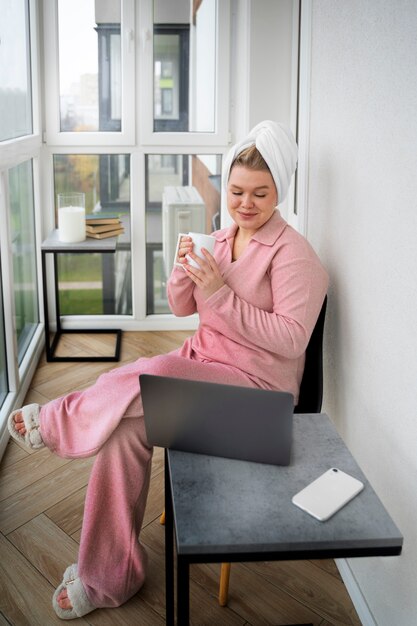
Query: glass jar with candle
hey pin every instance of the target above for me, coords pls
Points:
(71, 217)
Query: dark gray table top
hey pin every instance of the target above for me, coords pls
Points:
(53, 244)
(223, 505)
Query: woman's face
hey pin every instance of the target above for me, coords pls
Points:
(251, 197)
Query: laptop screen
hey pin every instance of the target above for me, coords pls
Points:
(220, 420)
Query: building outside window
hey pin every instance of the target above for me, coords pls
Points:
(171, 77)
(90, 65)
(184, 58)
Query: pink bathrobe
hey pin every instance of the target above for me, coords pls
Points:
(252, 332)
(261, 320)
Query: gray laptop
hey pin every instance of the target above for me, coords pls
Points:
(219, 420)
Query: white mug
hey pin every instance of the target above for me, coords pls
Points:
(200, 240)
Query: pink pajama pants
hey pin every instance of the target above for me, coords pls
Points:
(107, 420)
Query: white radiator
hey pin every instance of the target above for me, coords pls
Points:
(183, 211)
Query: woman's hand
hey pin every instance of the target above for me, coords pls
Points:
(207, 277)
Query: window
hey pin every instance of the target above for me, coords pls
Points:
(171, 77)
(184, 65)
(185, 53)
(15, 70)
(22, 221)
(182, 195)
(20, 146)
(89, 72)
(96, 284)
(158, 66)
(89, 65)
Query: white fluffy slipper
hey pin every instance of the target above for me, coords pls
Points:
(32, 437)
(81, 605)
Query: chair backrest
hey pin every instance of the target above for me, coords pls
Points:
(311, 388)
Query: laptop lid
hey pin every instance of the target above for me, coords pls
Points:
(220, 420)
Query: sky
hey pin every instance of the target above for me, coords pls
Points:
(78, 41)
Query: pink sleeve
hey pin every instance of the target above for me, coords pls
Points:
(180, 289)
(298, 288)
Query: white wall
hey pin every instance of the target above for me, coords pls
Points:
(261, 70)
(362, 208)
(270, 61)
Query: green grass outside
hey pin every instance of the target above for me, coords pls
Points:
(79, 267)
(81, 302)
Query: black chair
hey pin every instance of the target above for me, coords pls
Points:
(309, 401)
(311, 388)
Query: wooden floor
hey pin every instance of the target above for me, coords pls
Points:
(41, 509)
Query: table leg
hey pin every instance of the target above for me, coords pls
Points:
(49, 345)
(57, 307)
(183, 591)
(169, 549)
(45, 303)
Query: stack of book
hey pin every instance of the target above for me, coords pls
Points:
(103, 226)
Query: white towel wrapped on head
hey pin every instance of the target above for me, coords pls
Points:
(277, 145)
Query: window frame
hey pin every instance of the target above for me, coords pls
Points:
(147, 141)
(188, 139)
(14, 152)
(18, 370)
(54, 135)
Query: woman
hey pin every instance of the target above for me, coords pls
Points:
(258, 298)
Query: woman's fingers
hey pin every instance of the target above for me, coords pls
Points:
(185, 247)
(207, 276)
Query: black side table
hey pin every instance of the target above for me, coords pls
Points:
(53, 246)
(224, 510)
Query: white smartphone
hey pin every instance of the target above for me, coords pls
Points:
(327, 494)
